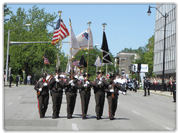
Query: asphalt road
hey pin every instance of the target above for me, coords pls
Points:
(134, 113)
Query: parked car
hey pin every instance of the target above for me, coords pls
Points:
(130, 86)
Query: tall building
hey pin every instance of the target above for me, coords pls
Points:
(170, 41)
(123, 60)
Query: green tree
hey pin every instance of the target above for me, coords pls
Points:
(37, 31)
(149, 56)
(6, 10)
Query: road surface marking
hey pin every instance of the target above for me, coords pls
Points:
(168, 128)
(74, 127)
(10, 103)
(136, 112)
(19, 97)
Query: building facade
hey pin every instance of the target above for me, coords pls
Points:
(123, 60)
(170, 41)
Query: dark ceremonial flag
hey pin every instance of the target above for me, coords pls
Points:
(82, 62)
(106, 58)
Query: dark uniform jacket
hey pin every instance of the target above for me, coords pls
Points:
(111, 85)
(81, 87)
(57, 86)
(100, 87)
(70, 88)
(146, 83)
(45, 89)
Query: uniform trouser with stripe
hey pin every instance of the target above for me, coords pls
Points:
(112, 104)
(71, 100)
(57, 100)
(85, 97)
(99, 98)
(43, 101)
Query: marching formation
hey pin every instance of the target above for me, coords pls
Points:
(59, 83)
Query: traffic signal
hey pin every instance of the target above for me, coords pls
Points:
(139, 67)
(9, 58)
(129, 67)
(134, 67)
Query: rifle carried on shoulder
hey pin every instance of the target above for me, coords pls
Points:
(39, 92)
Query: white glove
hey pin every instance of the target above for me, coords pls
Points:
(56, 77)
(85, 85)
(99, 83)
(87, 82)
(57, 80)
(40, 89)
(111, 90)
(45, 84)
(72, 84)
(71, 81)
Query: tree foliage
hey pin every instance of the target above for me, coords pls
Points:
(145, 55)
(31, 53)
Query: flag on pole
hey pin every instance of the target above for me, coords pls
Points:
(46, 61)
(73, 43)
(83, 38)
(98, 62)
(60, 32)
(106, 58)
(82, 62)
(58, 61)
(75, 62)
(68, 67)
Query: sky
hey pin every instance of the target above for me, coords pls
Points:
(128, 25)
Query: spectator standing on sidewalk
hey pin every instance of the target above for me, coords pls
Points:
(174, 90)
(17, 80)
(28, 79)
(155, 84)
(10, 80)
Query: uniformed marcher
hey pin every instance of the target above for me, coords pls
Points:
(145, 86)
(56, 86)
(112, 96)
(42, 95)
(148, 86)
(99, 90)
(135, 85)
(174, 90)
(84, 87)
(71, 93)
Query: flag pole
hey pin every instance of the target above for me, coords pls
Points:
(44, 57)
(59, 41)
(89, 23)
(70, 52)
(104, 24)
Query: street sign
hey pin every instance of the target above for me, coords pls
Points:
(144, 68)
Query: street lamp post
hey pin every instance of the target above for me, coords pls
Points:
(165, 17)
(7, 56)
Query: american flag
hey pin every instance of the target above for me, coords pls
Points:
(60, 32)
(46, 61)
(75, 63)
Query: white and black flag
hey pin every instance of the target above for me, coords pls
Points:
(106, 58)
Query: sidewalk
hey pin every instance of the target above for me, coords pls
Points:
(161, 93)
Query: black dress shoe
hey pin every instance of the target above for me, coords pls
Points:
(98, 118)
(69, 117)
(111, 118)
(84, 117)
(54, 117)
